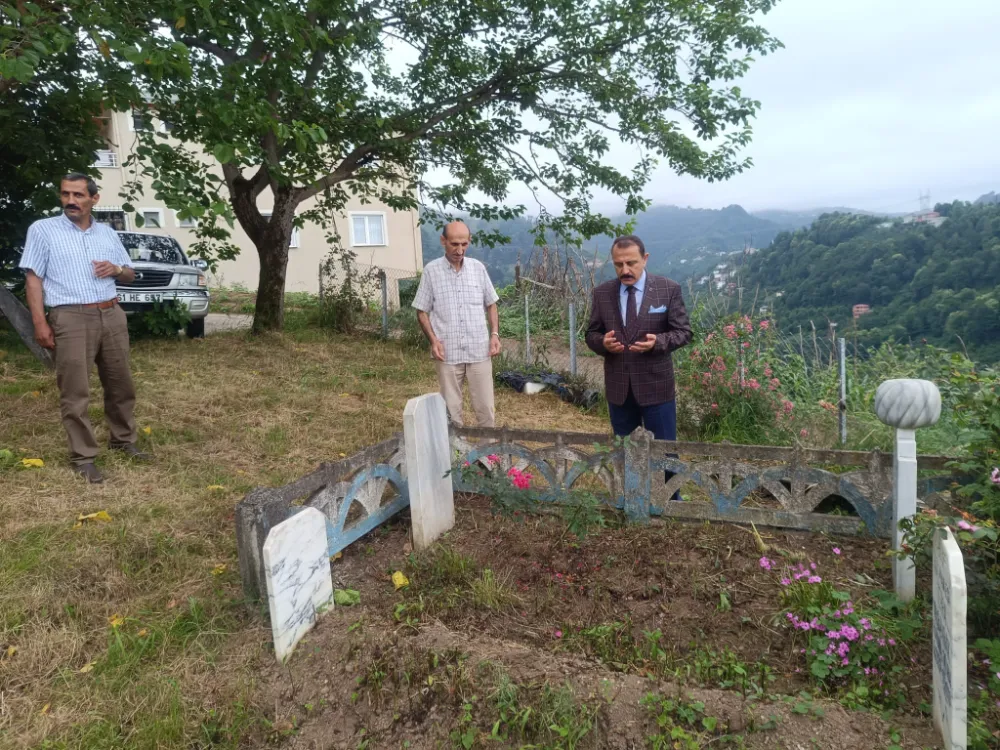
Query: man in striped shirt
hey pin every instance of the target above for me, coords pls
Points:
(453, 295)
(72, 265)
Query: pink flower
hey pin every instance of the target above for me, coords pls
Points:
(558, 634)
(803, 433)
(765, 563)
(764, 324)
(815, 579)
(836, 550)
(493, 458)
(746, 344)
(730, 331)
(995, 476)
(709, 337)
(774, 384)
(768, 372)
(715, 407)
(966, 526)
(752, 383)
(466, 463)
(785, 582)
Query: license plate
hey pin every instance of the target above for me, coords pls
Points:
(139, 297)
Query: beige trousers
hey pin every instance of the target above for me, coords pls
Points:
(84, 337)
(480, 377)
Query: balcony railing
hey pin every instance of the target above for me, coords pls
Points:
(105, 158)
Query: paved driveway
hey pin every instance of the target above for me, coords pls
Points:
(222, 322)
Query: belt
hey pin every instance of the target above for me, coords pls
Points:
(98, 305)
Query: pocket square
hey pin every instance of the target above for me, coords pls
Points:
(655, 310)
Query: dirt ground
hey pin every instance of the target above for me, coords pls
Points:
(516, 634)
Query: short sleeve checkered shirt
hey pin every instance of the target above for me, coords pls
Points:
(457, 302)
(61, 255)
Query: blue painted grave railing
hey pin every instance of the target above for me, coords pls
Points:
(356, 495)
(765, 485)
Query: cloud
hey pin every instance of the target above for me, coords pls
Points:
(869, 103)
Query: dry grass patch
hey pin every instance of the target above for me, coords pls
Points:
(133, 632)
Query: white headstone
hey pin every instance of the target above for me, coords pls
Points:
(949, 642)
(905, 404)
(297, 572)
(432, 502)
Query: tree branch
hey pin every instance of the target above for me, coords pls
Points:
(227, 56)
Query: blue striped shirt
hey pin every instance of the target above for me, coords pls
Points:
(61, 255)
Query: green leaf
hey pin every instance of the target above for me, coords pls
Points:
(224, 153)
(819, 669)
(346, 597)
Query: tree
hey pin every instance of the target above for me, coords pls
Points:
(53, 86)
(316, 100)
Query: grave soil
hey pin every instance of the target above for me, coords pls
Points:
(513, 628)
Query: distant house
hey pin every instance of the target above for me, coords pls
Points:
(378, 235)
(859, 310)
(925, 217)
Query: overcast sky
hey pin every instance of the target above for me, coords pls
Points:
(869, 103)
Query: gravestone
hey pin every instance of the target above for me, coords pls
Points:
(297, 572)
(949, 642)
(20, 317)
(428, 452)
(906, 405)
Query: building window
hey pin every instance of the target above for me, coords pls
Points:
(112, 216)
(137, 121)
(367, 229)
(293, 241)
(152, 218)
(188, 223)
(105, 158)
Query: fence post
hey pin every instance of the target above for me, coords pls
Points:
(638, 476)
(572, 338)
(385, 303)
(842, 355)
(527, 330)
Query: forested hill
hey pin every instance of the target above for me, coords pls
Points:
(921, 281)
(682, 242)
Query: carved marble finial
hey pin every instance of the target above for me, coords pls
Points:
(908, 404)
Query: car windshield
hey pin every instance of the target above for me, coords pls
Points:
(153, 248)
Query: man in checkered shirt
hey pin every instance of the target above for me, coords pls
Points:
(453, 295)
(72, 265)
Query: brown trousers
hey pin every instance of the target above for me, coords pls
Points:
(480, 377)
(85, 336)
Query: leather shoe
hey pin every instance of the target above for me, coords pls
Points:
(132, 451)
(89, 472)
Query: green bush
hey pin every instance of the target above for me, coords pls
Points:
(162, 322)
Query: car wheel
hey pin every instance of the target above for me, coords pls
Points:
(196, 329)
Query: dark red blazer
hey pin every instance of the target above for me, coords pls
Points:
(650, 374)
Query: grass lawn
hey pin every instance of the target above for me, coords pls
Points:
(132, 632)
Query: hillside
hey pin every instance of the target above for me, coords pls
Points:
(791, 220)
(922, 282)
(683, 242)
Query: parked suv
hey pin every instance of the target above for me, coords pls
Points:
(163, 273)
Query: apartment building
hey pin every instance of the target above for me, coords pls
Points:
(378, 235)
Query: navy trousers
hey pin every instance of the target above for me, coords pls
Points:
(660, 419)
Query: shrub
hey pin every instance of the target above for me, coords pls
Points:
(162, 322)
(730, 390)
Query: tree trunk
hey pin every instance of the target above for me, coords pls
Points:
(271, 238)
(269, 313)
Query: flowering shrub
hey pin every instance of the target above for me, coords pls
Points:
(979, 540)
(845, 645)
(730, 390)
(511, 496)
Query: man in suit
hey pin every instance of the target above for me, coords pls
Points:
(636, 321)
